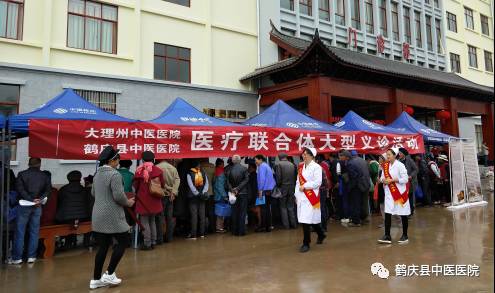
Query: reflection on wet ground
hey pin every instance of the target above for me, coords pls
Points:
(271, 262)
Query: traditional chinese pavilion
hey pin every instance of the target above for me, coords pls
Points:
(329, 81)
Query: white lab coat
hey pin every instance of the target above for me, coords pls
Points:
(306, 213)
(397, 171)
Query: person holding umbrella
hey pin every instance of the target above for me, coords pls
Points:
(108, 220)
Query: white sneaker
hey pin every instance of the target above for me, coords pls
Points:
(15, 262)
(31, 259)
(344, 221)
(95, 284)
(110, 279)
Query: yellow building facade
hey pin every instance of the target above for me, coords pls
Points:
(469, 39)
(221, 35)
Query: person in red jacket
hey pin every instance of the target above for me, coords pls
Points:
(325, 187)
(148, 206)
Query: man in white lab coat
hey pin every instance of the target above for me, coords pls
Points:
(309, 177)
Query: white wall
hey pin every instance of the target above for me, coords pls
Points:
(467, 127)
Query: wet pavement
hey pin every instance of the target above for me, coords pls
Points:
(270, 262)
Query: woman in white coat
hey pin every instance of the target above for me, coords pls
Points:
(309, 177)
(395, 184)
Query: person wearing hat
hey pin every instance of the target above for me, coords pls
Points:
(108, 219)
(444, 183)
(285, 174)
(412, 172)
(394, 178)
(307, 192)
(148, 205)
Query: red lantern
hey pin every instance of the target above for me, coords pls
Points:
(443, 115)
(409, 110)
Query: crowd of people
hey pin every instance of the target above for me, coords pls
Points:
(168, 198)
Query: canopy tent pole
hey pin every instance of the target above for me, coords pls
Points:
(2, 192)
(7, 233)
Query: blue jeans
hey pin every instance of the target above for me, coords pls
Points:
(27, 218)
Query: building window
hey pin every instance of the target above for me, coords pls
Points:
(452, 22)
(429, 37)
(488, 61)
(468, 14)
(383, 17)
(368, 10)
(473, 56)
(438, 30)
(11, 18)
(324, 9)
(355, 14)
(287, 4)
(455, 63)
(417, 21)
(103, 100)
(407, 24)
(92, 26)
(172, 63)
(485, 28)
(340, 12)
(427, 2)
(305, 7)
(180, 2)
(395, 21)
(9, 105)
(437, 3)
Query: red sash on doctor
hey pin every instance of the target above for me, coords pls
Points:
(310, 194)
(400, 198)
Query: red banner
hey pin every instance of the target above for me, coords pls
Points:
(83, 140)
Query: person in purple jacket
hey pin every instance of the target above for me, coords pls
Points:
(266, 183)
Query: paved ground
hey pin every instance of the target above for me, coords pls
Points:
(271, 263)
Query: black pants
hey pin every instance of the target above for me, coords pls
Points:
(104, 241)
(266, 212)
(197, 208)
(307, 232)
(388, 223)
(425, 187)
(323, 208)
(239, 211)
(167, 217)
(355, 200)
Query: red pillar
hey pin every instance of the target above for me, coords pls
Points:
(487, 126)
(319, 102)
(394, 109)
(451, 126)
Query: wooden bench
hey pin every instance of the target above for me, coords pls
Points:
(48, 234)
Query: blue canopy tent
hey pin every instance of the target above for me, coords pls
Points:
(2, 121)
(281, 115)
(407, 123)
(181, 112)
(353, 122)
(66, 106)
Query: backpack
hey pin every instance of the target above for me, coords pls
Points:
(155, 186)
